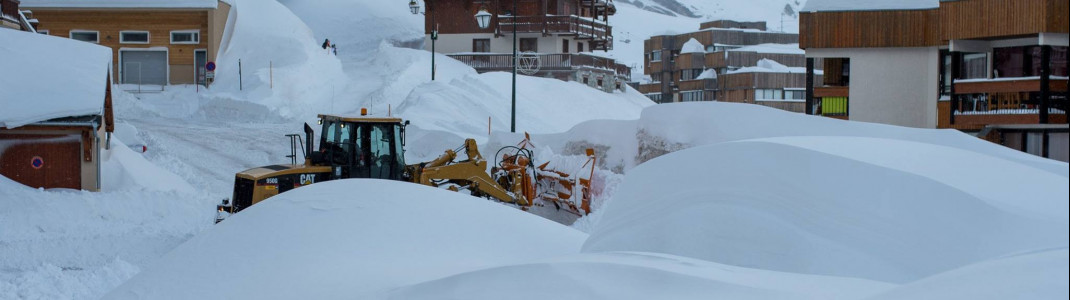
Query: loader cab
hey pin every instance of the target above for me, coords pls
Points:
(361, 147)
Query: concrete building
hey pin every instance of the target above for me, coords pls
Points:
(726, 61)
(556, 38)
(964, 64)
(154, 42)
(52, 137)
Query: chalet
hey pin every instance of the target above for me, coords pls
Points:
(973, 65)
(556, 38)
(52, 137)
(154, 42)
(727, 61)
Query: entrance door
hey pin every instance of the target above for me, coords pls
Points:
(144, 67)
(200, 58)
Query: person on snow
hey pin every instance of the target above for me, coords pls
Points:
(326, 43)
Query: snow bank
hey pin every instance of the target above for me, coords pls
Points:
(1038, 275)
(28, 57)
(296, 78)
(772, 48)
(634, 275)
(666, 128)
(693, 46)
(543, 105)
(122, 168)
(341, 239)
(852, 5)
(873, 208)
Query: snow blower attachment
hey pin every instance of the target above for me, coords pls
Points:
(368, 147)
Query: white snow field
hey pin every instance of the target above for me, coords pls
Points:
(347, 238)
(720, 200)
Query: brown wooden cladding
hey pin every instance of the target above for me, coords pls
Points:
(1008, 86)
(972, 19)
(689, 61)
(650, 88)
(691, 85)
(865, 29)
(833, 69)
(159, 24)
(832, 91)
(59, 153)
(764, 80)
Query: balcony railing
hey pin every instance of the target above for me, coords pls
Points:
(582, 27)
(1008, 96)
(491, 62)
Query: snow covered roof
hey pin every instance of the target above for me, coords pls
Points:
(771, 66)
(693, 46)
(854, 5)
(47, 77)
(120, 3)
(772, 48)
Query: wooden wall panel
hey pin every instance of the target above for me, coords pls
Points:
(865, 29)
(61, 155)
(970, 19)
(109, 23)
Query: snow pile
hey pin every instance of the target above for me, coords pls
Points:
(772, 48)
(835, 206)
(543, 105)
(81, 67)
(707, 74)
(1038, 275)
(766, 65)
(346, 238)
(296, 77)
(693, 46)
(634, 275)
(853, 5)
(121, 3)
(667, 128)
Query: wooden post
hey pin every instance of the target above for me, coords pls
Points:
(488, 127)
(271, 74)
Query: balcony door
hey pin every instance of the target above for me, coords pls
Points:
(529, 44)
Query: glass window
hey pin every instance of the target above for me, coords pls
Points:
(481, 45)
(185, 37)
(134, 37)
(529, 44)
(86, 36)
(655, 56)
(975, 65)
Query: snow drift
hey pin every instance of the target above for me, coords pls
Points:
(873, 208)
(635, 275)
(344, 238)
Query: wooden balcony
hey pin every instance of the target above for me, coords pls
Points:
(832, 91)
(582, 28)
(549, 62)
(977, 103)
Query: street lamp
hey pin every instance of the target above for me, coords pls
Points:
(483, 18)
(415, 8)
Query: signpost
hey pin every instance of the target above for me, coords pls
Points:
(210, 74)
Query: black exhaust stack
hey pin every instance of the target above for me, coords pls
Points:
(308, 141)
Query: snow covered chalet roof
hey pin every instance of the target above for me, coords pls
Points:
(47, 77)
(120, 3)
(693, 46)
(853, 5)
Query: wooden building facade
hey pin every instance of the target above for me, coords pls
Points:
(153, 43)
(555, 37)
(713, 74)
(963, 64)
